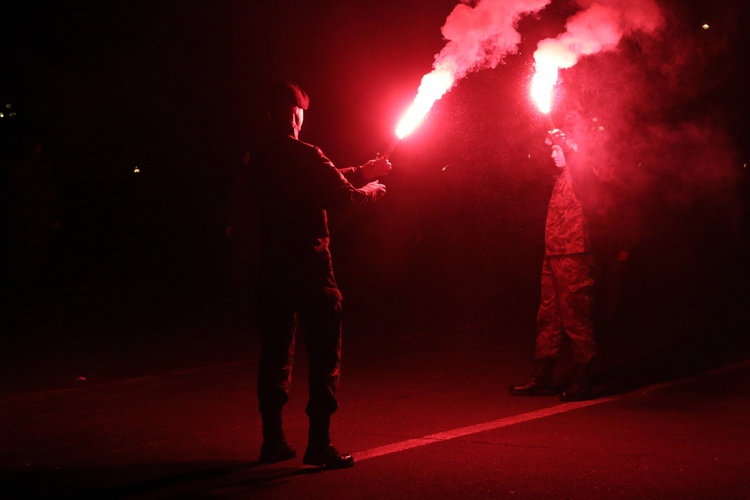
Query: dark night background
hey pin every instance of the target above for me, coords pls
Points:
(173, 88)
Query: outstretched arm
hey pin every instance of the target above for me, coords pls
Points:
(373, 169)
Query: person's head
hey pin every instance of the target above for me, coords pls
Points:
(558, 156)
(286, 103)
(561, 145)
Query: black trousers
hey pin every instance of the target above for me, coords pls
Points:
(319, 317)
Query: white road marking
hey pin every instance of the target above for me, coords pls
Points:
(474, 429)
(526, 417)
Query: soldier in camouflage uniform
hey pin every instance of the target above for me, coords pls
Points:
(566, 287)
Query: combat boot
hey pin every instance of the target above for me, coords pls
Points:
(327, 456)
(540, 381)
(579, 388)
(274, 448)
(320, 452)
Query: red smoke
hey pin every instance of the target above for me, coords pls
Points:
(480, 34)
(598, 27)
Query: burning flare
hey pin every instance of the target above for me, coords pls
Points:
(549, 58)
(480, 34)
(542, 86)
(434, 85)
(599, 27)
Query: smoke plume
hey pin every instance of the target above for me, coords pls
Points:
(652, 118)
(480, 34)
(598, 27)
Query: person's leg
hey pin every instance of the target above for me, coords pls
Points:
(549, 324)
(321, 324)
(548, 339)
(277, 322)
(576, 305)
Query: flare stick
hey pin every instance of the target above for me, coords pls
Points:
(549, 121)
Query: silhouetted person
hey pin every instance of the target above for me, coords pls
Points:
(295, 184)
(566, 287)
(33, 215)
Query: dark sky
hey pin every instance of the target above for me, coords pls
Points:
(129, 74)
(142, 74)
(174, 87)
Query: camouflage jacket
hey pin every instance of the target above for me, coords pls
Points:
(567, 230)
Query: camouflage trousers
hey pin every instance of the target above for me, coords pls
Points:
(565, 308)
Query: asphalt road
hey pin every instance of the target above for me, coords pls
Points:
(147, 393)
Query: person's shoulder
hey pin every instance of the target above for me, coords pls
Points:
(313, 154)
(311, 148)
(284, 142)
(292, 149)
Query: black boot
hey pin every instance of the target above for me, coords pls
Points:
(320, 452)
(540, 381)
(274, 448)
(579, 388)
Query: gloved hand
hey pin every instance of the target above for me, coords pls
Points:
(376, 168)
(374, 189)
(558, 138)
